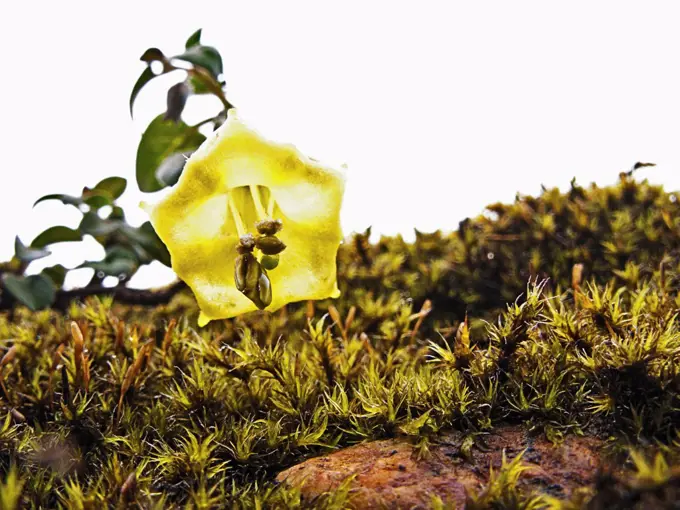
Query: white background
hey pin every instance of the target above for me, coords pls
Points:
(437, 108)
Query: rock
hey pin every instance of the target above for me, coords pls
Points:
(388, 473)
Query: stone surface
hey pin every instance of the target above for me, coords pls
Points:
(388, 473)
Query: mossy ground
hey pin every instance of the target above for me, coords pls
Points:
(149, 411)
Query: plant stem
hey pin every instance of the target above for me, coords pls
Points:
(202, 123)
(212, 85)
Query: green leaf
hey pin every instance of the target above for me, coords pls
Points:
(117, 267)
(144, 78)
(120, 252)
(171, 168)
(162, 139)
(117, 213)
(114, 186)
(149, 56)
(65, 199)
(194, 39)
(97, 201)
(104, 193)
(55, 273)
(146, 243)
(118, 262)
(35, 291)
(95, 226)
(152, 55)
(153, 243)
(26, 254)
(206, 57)
(58, 234)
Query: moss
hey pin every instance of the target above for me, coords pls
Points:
(152, 412)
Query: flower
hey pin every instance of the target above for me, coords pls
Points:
(234, 180)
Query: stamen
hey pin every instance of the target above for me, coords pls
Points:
(270, 205)
(255, 192)
(240, 227)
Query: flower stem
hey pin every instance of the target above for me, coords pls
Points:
(240, 227)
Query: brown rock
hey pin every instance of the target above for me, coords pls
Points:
(388, 474)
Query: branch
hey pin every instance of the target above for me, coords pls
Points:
(123, 295)
(120, 294)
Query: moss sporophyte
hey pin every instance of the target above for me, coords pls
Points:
(252, 224)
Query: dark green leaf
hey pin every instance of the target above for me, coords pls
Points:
(95, 226)
(194, 39)
(146, 243)
(171, 168)
(118, 262)
(154, 245)
(65, 199)
(162, 139)
(120, 252)
(117, 267)
(144, 78)
(206, 57)
(177, 98)
(55, 273)
(36, 291)
(96, 201)
(114, 186)
(26, 254)
(152, 55)
(117, 213)
(57, 234)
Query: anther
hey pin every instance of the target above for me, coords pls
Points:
(269, 227)
(264, 290)
(245, 264)
(252, 280)
(246, 244)
(270, 245)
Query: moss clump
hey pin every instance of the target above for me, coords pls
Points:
(620, 232)
(151, 412)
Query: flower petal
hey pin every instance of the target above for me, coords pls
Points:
(201, 235)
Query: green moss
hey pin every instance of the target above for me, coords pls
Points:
(156, 413)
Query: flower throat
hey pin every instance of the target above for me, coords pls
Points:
(256, 253)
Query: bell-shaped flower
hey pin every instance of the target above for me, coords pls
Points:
(239, 183)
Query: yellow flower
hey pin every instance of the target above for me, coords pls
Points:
(235, 179)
